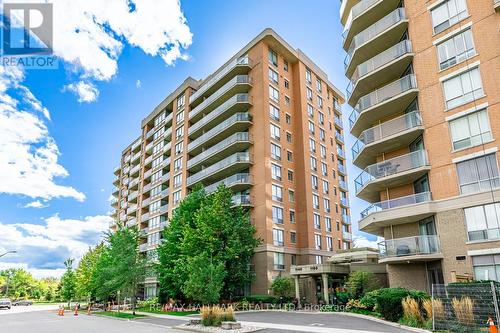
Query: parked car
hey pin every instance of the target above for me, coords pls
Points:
(22, 302)
(5, 303)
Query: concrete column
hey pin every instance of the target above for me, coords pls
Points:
(324, 277)
(297, 292)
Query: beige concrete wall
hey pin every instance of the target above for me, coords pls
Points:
(411, 276)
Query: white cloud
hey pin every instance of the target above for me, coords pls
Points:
(86, 91)
(35, 204)
(42, 248)
(138, 84)
(362, 241)
(28, 154)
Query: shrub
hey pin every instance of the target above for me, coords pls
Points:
(411, 311)
(215, 315)
(360, 282)
(283, 287)
(464, 310)
(389, 303)
(370, 300)
(342, 298)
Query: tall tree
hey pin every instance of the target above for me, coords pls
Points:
(68, 282)
(85, 271)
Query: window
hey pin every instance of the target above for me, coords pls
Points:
(324, 169)
(319, 259)
(277, 215)
(275, 152)
(308, 75)
(309, 94)
(158, 133)
(154, 238)
(471, 130)
(275, 171)
(178, 180)
(478, 174)
(314, 164)
(155, 191)
(289, 156)
(277, 193)
(288, 118)
(178, 164)
(463, 88)
(273, 57)
(287, 84)
(158, 147)
(155, 206)
(278, 237)
(273, 76)
(291, 196)
(179, 117)
(156, 176)
(279, 261)
(486, 267)
(293, 237)
(326, 204)
(178, 148)
(315, 201)
(285, 65)
(287, 101)
(456, 49)
(275, 132)
(317, 242)
(292, 216)
(312, 145)
(483, 222)
(317, 221)
(288, 137)
(181, 100)
(274, 94)
(329, 243)
(326, 188)
(322, 151)
(318, 84)
(447, 14)
(179, 132)
(311, 127)
(320, 101)
(310, 110)
(274, 112)
(160, 118)
(156, 162)
(328, 224)
(321, 118)
(314, 182)
(177, 197)
(154, 222)
(290, 175)
(322, 134)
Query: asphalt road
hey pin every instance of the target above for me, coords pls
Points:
(31, 308)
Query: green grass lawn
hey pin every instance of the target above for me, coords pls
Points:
(115, 314)
(173, 313)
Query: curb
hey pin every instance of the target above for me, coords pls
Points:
(381, 321)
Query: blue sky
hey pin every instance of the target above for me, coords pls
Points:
(91, 134)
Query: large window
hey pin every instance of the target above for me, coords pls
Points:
(317, 221)
(277, 193)
(275, 152)
(447, 14)
(456, 49)
(278, 235)
(317, 242)
(463, 88)
(275, 171)
(486, 267)
(471, 130)
(273, 57)
(478, 174)
(279, 261)
(273, 76)
(483, 222)
(274, 94)
(277, 215)
(274, 112)
(275, 132)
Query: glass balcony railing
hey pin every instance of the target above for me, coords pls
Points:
(373, 31)
(233, 159)
(238, 79)
(236, 137)
(398, 202)
(339, 137)
(238, 98)
(136, 143)
(356, 11)
(385, 130)
(341, 168)
(239, 178)
(241, 199)
(347, 236)
(341, 153)
(237, 117)
(410, 246)
(241, 61)
(391, 167)
(338, 121)
(343, 185)
(344, 202)
(346, 219)
(371, 65)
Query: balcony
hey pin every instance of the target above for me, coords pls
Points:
(388, 136)
(341, 168)
(238, 122)
(238, 66)
(133, 196)
(237, 103)
(410, 249)
(345, 9)
(346, 219)
(338, 122)
(393, 172)
(116, 171)
(238, 84)
(384, 102)
(135, 157)
(364, 14)
(242, 200)
(375, 39)
(347, 236)
(131, 209)
(237, 182)
(340, 153)
(232, 164)
(135, 170)
(379, 70)
(496, 5)
(132, 222)
(407, 209)
(339, 137)
(237, 142)
(144, 217)
(143, 247)
(136, 144)
(134, 183)
(343, 185)
(344, 202)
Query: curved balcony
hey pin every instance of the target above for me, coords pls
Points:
(406, 209)
(238, 84)
(410, 249)
(345, 9)
(238, 122)
(237, 182)
(393, 172)
(379, 70)
(242, 200)
(238, 66)
(374, 39)
(237, 142)
(237, 103)
(388, 136)
(364, 14)
(232, 164)
(384, 102)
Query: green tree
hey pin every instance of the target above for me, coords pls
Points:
(18, 283)
(68, 282)
(206, 226)
(86, 270)
(283, 287)
(360, 282)
(205, 281)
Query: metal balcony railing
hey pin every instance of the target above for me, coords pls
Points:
(244, 60)
(355, 12)
(373, 31)
(410, 246)
(391, 167)
(241, 199)
(239, 178)
(385, 130)
(228, 161)
(398, 202)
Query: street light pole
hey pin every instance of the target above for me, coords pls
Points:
(9, 274)
(1, 255)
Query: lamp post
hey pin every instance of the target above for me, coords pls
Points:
(9, 274)
(1, 255)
